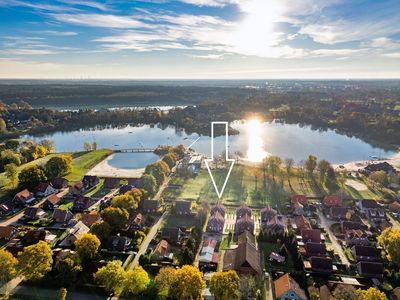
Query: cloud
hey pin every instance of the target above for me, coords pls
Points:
(336, 52)
(58, 33)
(392, 55)
(213, 3)
(26, 52)
(92, 4)
(208, 56)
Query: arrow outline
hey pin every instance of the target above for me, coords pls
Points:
(219, 194)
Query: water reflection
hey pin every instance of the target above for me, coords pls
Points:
(255, 145)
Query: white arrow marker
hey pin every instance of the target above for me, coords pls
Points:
(207, 161)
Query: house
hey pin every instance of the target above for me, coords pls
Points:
(182, 207)
(245, 223)
(90, 181)
(119, 243)
(243, 210)
(171, 234)
(332, 200)
(52, 202)
(246, 258)
(34, 236)
(125, 188)
(315, 249)
(149, 206)
(339, 213)
(350, 225)
(82, 203)
(365, 253)
(382, 166)
(216, 223)
(24, 197)
(376, 215)
(298, 209)
(218, 208)
(286, 288)
(356, 237)
(77, 189)
(277, 224)
(367, 204)
(267, 213)
(300, 223)
(136, 182)
(394, 207)
(34, 213)
(208, 257)
(59, 183)
(161, 252)
(90, 218)
(137, 222)
(111, 183)
(321, 265)
(302, 199)
(44, 190)
(74, 233)
(311, 235)
(370, 269)
(7, 207)
(62, 215)
(372, 210)
(8, 232)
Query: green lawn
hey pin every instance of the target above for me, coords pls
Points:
(267, 248)
(180, 221)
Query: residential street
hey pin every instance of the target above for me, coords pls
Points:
(325, 223)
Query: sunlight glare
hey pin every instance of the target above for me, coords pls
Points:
(255, 151)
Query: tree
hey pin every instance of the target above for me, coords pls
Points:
(136, 280)
(149, 184)
(390, 241)
(40, 151)
(164, 280)
(289, 163)
(35, 261)
(62, 294)
(310, 163)
(274, 163)
(48, 144)
(345, 292)
(126, 202)
(159, 170)
(94, 145)
(379, 177)
(371, 294)
(87, 246)
(12, 144)
(111, 276)
(31, 176)
(3, 126)
(10, 157)
(101, 229)
(225, 285)
(323, 167)
(11, 173)
(8, 265)
(136, 194)
(188, 283)
(116, 217)
(247, 287)
(58, 166)
(87, 146)
(68, 269)
(170, 159)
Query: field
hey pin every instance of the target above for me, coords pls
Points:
(82, 163)
(267, 248)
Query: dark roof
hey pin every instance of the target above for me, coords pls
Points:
(370, 268)
(244, 223)
(382, 166)
(311, 235)
(62, 215)
(218, 208)
(366, 251)
(368, 203)
(125, 188)
(243, 210)
(7, 206)
(267, 213)
(110, 182)
(59, 182)
(338, 211)
(35, 236)
(315, 249)
(90, 180)
(321, 263)
(183, 206)
(171, 233)
(42, 187)
(150, 204)
(351, 225)
(216, 220)
(31, 212)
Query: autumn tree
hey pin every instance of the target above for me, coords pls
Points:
(87, 246)
(323, 167)
(35, 261)
(170, 159)
(390, 241)
(188, 283)
(345, 292)
(164, 280)
(116, 217)
(8, 265)
(48, 144)
(274, 164)
(289, 163)
(136, 280)
(136, 194)
(101, 229)
(247, 287)
(149, 184)
(379, 177)
(12, 144)
(371, 294)
(111, 277)
(58, 166)
(62, 294)
(126, 202)
(3, 126)
(11, 173)
(31, 176)
(225, 285)
(68, 269)
(310, 163)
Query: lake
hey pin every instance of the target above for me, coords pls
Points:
(256, 139)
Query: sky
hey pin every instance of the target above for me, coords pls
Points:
(200, 39)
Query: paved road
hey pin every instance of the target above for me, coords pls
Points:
(336, 247)
(110, 194)
(15, 218)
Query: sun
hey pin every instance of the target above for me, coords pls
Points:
(255, 150)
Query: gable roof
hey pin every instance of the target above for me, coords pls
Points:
(62, 215)
(367, 251)
(243, 210)
(42, 187)
(150, 204)
(32, 212)
(299, 198)
(301, 222)
(183, 206)
(161, 248)
(369, 204)
(346, 225)
(54, 199)
(218, 208)
(321, 263)
(338, 211)
(6, 232)
(333, 200)
(111, 182)
(24, 195)
(371, 268)
(59, 182)
(90, 218)
(267, 213)
(311, 235)
(315, 249)
(286, 283)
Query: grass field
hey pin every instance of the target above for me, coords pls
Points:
(267, 248)
(82, 163)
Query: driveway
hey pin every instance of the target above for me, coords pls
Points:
(325, 223)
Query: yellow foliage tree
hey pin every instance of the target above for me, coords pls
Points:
(111, 276)
(164, 280)
(371, 294)
(35, 261)
(136, 280)
(8, 264)
(87, 246)
(390, 241)
(188, 283)
(225, 285)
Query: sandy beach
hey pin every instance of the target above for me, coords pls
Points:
(356, 165)
(103, 169)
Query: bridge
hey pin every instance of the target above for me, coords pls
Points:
(135, 150)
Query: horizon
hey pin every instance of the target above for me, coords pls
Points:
(199, 40)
